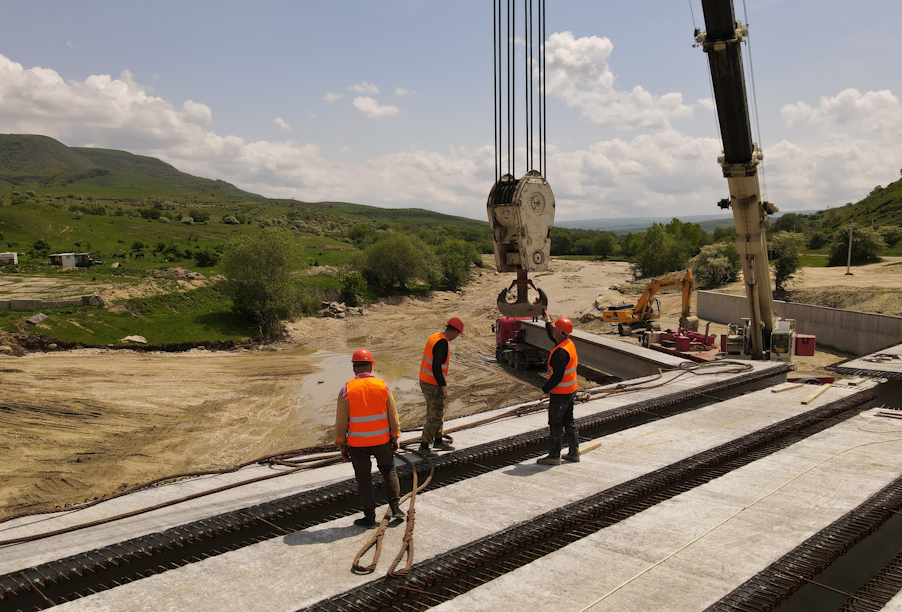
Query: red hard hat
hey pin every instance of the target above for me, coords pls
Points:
(565, 325)
(362, 355)
(456, 324)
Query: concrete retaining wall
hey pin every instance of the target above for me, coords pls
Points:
(858, 333)
(36, 305)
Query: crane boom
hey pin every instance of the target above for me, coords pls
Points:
(740, 160)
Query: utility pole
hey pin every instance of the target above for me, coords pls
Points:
(849, 260)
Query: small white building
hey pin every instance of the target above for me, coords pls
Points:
(71, 260)
(9, 258)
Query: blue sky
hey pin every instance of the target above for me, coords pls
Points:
(390, 103)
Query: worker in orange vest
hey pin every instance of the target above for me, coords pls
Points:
(366, 425)
(562, 388)
(433, 370)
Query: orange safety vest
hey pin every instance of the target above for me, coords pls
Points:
(426, 363)
(568, 382)
(368, 425)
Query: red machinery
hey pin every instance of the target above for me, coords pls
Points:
(510, 347)
(682, 343)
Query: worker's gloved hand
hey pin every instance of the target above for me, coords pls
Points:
(344, 454)
(394, 445)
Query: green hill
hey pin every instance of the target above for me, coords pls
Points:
(34, 161)
(883, 206)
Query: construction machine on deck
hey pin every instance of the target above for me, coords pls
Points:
(643, 314)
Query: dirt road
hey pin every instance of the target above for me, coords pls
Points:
(80, 424)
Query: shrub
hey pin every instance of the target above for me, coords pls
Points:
(353, 288)
(137, 245)
(716, 265)
(41, 246)
(230, 220)
(890, 234)
(817, 239)
(658, 254)
(866, 244)
(206, 257)
(604, 245)
(199, 216)
(187, 220)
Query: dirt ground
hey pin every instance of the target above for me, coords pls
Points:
(78, 424)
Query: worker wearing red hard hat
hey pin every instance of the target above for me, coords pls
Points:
(562, 388)
(433, 370)
(366, 425)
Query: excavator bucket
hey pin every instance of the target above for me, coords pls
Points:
(522, 307)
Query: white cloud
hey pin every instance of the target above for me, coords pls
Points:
(332, 97)
(368, 107)
(706, 103)
(874, 111)
(194, 112)
(69, 44)
(364, 88)
(403, 91)
(579, 74)
(664, 172)
(282, 124)
(311, 115)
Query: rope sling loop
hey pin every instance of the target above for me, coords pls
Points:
(407, 543)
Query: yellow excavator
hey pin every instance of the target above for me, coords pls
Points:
(643, 314)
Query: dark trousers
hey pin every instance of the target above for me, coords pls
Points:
(560, 414)
(363, 470)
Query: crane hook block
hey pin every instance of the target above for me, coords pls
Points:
(521, 215)
(522, 307)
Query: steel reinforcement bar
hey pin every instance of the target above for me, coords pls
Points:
(775, 586)
(77, 576)
(447, 576)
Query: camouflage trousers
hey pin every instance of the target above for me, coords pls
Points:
(435, 412)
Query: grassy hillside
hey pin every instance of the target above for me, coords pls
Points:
(34, 161)
(407, 216)
(883, 206)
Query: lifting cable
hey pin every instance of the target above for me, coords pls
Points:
(504, 68)
(324, 458)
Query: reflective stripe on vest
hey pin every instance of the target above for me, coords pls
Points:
(426, 362)
(368, 425)
(568, 382)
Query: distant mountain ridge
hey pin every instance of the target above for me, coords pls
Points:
(35, 160)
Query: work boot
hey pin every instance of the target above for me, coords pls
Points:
(573, 443)
(425, 450)
(396, 512)
(440, 444)
(367, 522)
(554, 455)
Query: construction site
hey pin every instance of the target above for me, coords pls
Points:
(734, 452)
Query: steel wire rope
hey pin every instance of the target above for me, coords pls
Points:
(495, 83)
(748, 44)
(544, 86)
(407, 543)
(732, 516)
(333, 458)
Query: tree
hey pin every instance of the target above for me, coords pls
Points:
(716, 265)
(786, 264)
(395, 258)
(137, 245)
(604, 245)
(259, 278)
(658, 254)
(353, 288)
(560, 241)
(41, 246)
(456, 257)
(866, 244)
